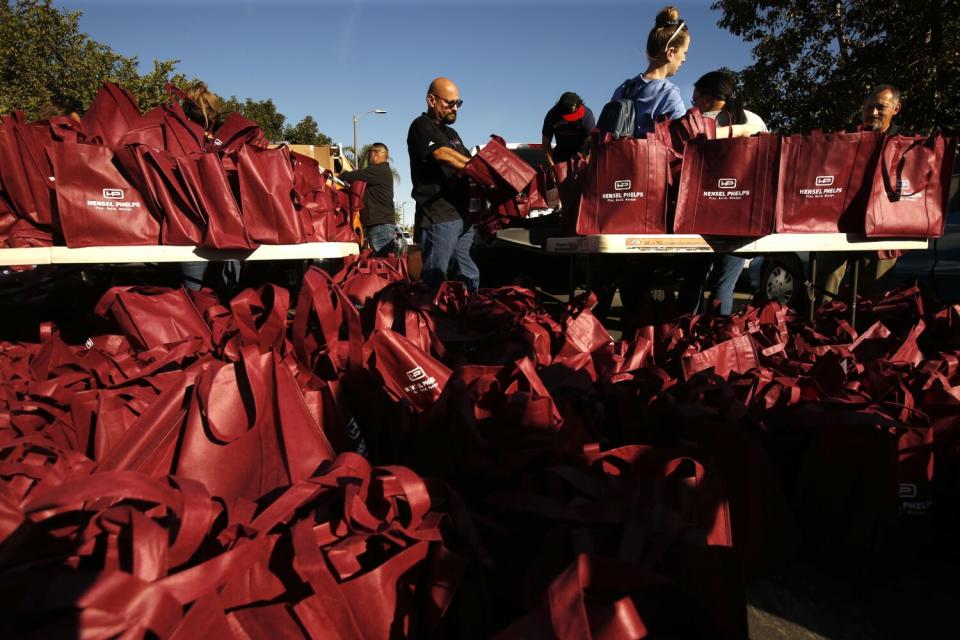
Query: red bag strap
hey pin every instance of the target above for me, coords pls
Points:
(566, 598)
(892, 161)
(250, 378)
(261, 316)
(100, 486)
(326, 301)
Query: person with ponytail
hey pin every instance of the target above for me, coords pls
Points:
(203, 107)
(652, 94)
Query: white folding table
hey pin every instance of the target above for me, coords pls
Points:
(625, 244)
(164, 253)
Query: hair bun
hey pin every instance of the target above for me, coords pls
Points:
(668, 17)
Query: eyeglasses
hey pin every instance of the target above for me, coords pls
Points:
(669, 40)
(450, 103)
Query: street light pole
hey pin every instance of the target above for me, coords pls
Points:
(403, 212)
(356, 149)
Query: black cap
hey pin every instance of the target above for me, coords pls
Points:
(569, 101)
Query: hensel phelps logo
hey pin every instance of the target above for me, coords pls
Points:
(421, 381)
(113, 200)
(728, 190)
(622, 192)
(904, 191)
(823, 188)
(415, 374)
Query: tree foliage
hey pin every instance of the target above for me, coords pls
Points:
(44, 57)
(306, 132)
(274, 123)
(815, 60)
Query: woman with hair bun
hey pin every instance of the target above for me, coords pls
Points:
(652, 94)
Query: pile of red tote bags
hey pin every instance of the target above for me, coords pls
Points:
(119, 177)
(368, 458)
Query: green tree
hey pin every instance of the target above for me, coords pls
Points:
(815, 60)
(306, 132)
(44, 57)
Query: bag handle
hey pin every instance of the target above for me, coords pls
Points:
(893, 160)
(566, 598)
(317, 296)
(249, 378)
(261, 316)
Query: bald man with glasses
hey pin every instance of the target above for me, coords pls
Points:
(437, 154)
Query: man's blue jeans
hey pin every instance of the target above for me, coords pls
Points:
(726, 271)
(720, 271)
(443, 244)
(382, 238)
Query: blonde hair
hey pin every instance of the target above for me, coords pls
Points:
(206, 101)
(669, 30)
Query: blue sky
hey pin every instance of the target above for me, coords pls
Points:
(511, 60)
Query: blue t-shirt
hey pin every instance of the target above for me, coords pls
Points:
(651, 99)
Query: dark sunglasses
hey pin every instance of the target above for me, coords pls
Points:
(450, 103)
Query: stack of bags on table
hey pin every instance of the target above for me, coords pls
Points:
(504, 189)
(398, 462)
(681, 179)
(119, 177)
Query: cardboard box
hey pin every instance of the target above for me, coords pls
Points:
(318, 153)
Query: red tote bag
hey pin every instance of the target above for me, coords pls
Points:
(152, 317)
(411, 376)
(168, 128)
(626, 188)
(825, 181)
(235, 132)
(311, 196)
(155, 175)
(497, 166)
(728, 187)
(910, 187)
(111, 115)
(210, 188)
(569, 177)
(248, 429)
(32, 142)
(96, 203)
(266, 195)
(16, 190)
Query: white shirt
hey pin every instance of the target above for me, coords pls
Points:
(723, 118)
